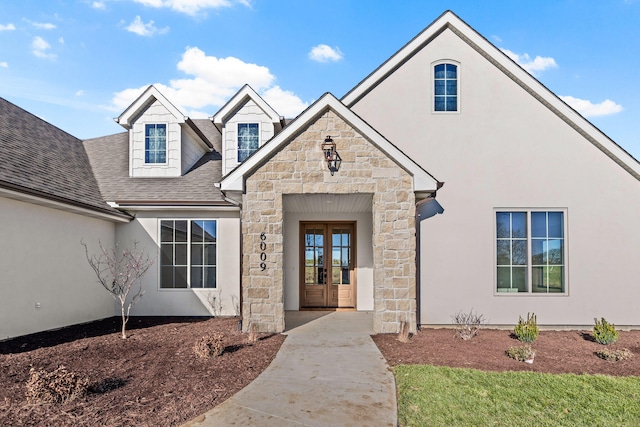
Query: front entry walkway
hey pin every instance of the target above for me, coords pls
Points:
(328, 372)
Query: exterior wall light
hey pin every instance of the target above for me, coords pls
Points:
(331, 155)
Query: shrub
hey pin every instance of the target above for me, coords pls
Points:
(521, 353)
(57, 386)
(209, 346)
(527, 331)
(614, 355)
(604, 332)
(468, 324)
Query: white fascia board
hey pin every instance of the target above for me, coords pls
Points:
(245, 93)
(422, 181)
(142, 102)
(508, 66)
(134, 207)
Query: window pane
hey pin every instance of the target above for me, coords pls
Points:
(504, 277)
(210, 254)
(503, 224)
(181, 277)
(537, 251)
(196, 277)
(209, 277)
(556, 279)
(166, 277)
(439, 87)
(452, 103)
(519, 252)
(181, 231)
(538, 279)
(181, 254)
(196, 254)
(519, 224)
(556, 224)
(439, 71)
(209, 231)
(439, 103)
(451, 71)
(166, 254)
(346, 279)
(452, 87)
(196, 231)
(504, 252)
(555, 252)
(538, 224)
(519, 275)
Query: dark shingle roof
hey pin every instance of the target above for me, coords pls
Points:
(43, 160)
(109, 158)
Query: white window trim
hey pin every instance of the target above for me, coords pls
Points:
(159, 267)
(144, 144)
(432, 85)
(529, 293)
(238, 137)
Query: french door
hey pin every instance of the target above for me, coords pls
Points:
(327, 265)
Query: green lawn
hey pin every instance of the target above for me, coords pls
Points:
(442, 396)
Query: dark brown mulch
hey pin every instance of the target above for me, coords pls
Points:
(153, 378)
(556, 351)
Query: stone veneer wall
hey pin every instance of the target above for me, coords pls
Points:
(299, 168)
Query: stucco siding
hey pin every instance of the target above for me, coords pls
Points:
(505, 149)
(46, 282)
(145, 229)
(156, 113)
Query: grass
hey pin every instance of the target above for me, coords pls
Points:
(442, 396)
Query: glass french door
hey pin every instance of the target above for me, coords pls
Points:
(328, 260)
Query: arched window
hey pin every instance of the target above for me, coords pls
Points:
(445, 87)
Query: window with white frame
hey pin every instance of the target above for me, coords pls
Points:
(248, 139)
(445, 87)
(188, 254)
(155, 143)
(530, 251)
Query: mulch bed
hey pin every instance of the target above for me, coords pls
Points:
(556, 351)
(153, 378)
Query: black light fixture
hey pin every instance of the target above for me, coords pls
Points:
(331, 155)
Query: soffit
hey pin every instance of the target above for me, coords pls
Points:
(327, 203)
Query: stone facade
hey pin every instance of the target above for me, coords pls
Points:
(299, 168)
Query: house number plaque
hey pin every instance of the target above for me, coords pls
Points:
(263, 254)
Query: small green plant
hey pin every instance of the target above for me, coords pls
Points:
(527, 331)
(614, 355)
(604, 332)
(522, 353)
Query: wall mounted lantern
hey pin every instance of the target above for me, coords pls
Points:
(331, 155)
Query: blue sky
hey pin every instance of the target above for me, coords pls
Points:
(79, 63)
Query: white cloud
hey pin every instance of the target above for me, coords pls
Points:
(533, 66)
(43, 25)
(100, 5)
(589, 109)
(7, 27)
(61, 40)
(4, 64)
(40, 47)
(324, 53)
(212, 82)
(80, 92)
(192, 7)
(147, 30)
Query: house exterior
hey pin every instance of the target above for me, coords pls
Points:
(449, 179)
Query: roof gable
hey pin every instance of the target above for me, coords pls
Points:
(240, 98)
(148, 97)
(422, 180)
(449, 20)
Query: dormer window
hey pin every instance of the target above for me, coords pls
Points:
(445, 87)
(248, 139)
(155, 143)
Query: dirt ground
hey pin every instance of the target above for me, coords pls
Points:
(153, 378)
(556, 351)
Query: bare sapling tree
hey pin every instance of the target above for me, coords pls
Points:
(118, 272)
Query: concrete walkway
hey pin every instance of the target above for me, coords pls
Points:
(328, 372)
